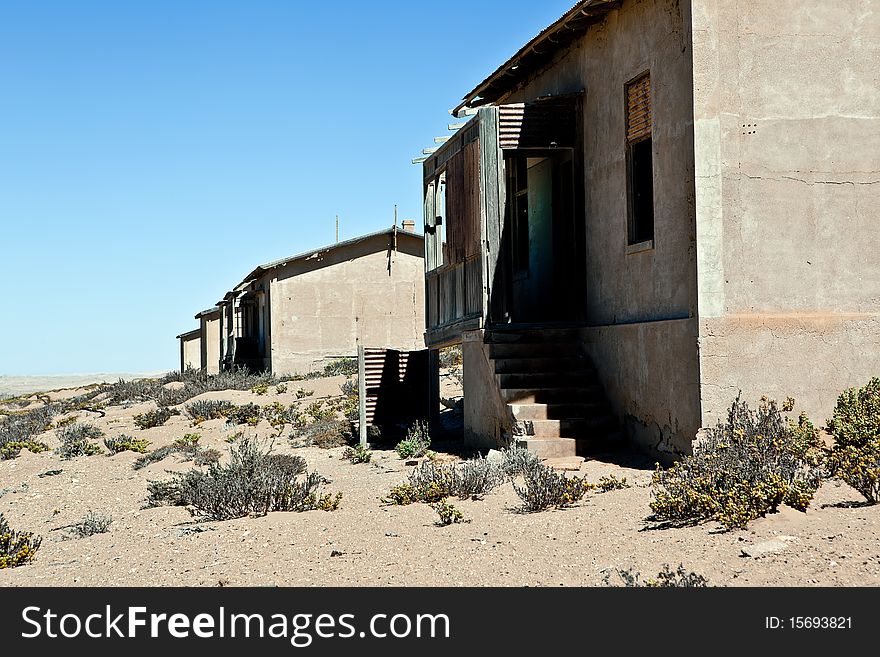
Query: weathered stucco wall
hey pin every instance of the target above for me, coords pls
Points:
(643, 35)
(326, 306)
(787, 124)
(190, 351)
(650, 372)
(647, 362)
(487, 417)
(210, 349)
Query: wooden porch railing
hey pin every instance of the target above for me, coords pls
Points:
(454, 292)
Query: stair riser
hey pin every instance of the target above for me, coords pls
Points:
(542, 365)
(557, 411)
(546, 380)
(552, 395)
(533, 350)
(549, 448)
(566, 428)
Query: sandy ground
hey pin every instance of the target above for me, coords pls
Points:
(24, 385)
(368, 543)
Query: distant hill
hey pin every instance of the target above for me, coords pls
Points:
(23, 385)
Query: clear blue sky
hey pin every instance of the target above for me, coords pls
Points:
(153, 153)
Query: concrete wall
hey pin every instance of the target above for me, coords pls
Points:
(650, 372)
(646, 360)
(190, 352)
(787, 124)
(643, 35)
(324, 307)
(210, 348)
(487, 417)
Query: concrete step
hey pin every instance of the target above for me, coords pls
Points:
(542, 364)
(533, 335)
(581, 394)
(548, 448)
(534, 349)
(558, 411)
(547, 380)
(566, 428)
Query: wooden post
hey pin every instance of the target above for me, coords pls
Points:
(362, 396)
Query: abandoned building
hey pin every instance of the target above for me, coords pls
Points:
(655, 205)
(190, 350)
(200, 348)
(293, 315)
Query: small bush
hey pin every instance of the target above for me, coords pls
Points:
(70, 419)
(188, 452)
(450, 357)
(341, 367)
(515, 461)
(75, 441)
(20, 428)
(302, 393)
(349, 388)
(475, 478)
(856, 419)
(326, 434)
(447, 514)
(610, 483)
(126, 444)
(328, 502)
(93, 523)
(743, 469)
(357, 454)
(203, 410)
(16, 548)
(248, 414)
(12, 449)
(254, 482)
(206, 457)
(155, 418)
(859, 467)
(260, 389)
(281, 389)
(544, 488)
(188, 440)
(416, 443)
(667, 578)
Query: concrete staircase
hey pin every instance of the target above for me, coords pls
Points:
(553, 392)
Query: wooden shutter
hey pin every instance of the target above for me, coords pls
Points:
(638, 109)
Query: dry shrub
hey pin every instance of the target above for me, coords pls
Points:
(16, 548)
(855, 458)
(545, 488)
(75, 440)
(744, 468)
(666, 578)
(254, 482)
(156, 418)
(126, 444)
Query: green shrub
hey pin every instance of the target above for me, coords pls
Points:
(203, 410)
(610, 483)
(75, 440)
(341, 367)
(16, 548)
(188, 440)
(10, 450)
(667, 578)
(248, 414)
(447, 514)
(357, 454)
(188, 452)
(544, 488)
(126, 444)
(93, 523)
(856, 419)
(416, 443)
(156, 418)
(281, 389)
(260, 388)
(859, 466)
(254, 482)
(302, 393)
(744, 468)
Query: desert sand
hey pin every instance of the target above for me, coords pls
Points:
(368, 543)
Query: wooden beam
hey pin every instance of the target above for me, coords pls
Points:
(441, 140)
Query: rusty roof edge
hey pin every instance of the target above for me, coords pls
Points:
(470, 99)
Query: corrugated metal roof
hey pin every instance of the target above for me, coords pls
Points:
(538, 52)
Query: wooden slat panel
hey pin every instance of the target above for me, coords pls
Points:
(638, 109)
(538, 124)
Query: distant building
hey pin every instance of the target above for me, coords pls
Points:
(655, 205)
(190, 350)
(292, 315)
(209, 328)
